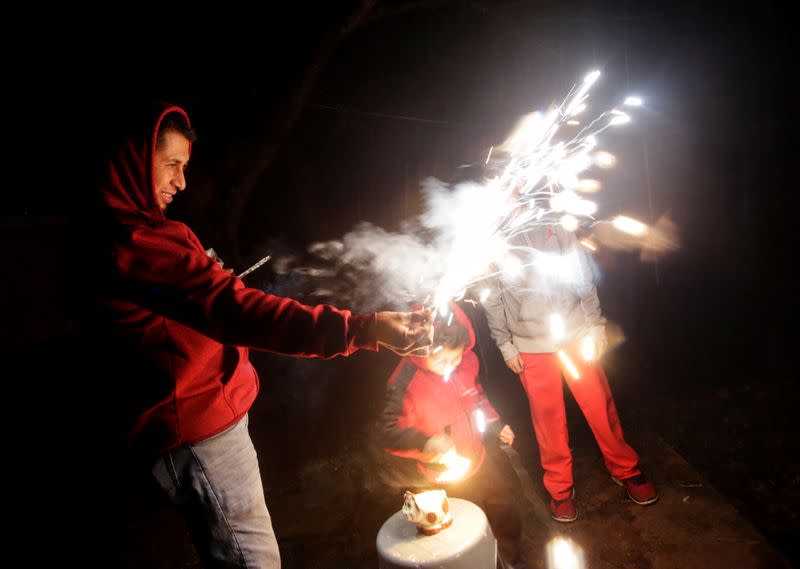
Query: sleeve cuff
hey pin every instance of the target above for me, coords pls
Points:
(508, 350)
(363, 330)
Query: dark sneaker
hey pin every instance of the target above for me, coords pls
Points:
(564, 510)
(640, 489)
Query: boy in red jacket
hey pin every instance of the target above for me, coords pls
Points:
(435, 423)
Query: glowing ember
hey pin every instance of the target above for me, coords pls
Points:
(480, 420)
(562, 554)
(448, 371)
(588, 348)
(605, 160)
(629, 225)
(573, 371)
(457, 466)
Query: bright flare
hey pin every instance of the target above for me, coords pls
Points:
(633, 101)
(629, 225)
(557, 329)
(569, 222)
(621, 118)
(588, 186)
(605, 160)
(485, 294)
(448, 371)
(457, 466)
(534, 179)
(480, 420)
(561, 554)
(573, 371)
(588, 349)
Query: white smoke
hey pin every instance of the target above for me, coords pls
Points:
(465, 231)
(371, 268)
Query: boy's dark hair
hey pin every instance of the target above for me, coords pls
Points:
(175, 122)
(452, 337)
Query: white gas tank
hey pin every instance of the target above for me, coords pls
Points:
(467, 544)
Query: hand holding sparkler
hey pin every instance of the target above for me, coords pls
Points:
(406, 333)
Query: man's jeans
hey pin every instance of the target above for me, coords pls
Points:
(217, 486)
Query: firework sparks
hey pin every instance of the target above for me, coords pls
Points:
(537, 181)
(541, 175)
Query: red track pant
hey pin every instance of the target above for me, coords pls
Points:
(541, 379)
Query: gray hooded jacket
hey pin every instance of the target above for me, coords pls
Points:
(557, 278)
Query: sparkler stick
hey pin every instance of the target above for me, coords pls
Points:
(254, 267)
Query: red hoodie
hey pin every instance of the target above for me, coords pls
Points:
(179, 326)
(420, 404)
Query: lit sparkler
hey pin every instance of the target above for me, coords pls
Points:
(538, 179)
(588, 348)
(457, 466)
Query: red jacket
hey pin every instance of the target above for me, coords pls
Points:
(420, 403)
(179, 327)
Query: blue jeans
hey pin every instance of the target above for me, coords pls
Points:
(217, 486)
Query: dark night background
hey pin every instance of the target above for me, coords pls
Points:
(312, 119)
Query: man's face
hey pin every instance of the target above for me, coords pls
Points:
(171, 159)
(445, 358)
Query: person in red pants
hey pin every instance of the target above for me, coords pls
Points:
(548, 324)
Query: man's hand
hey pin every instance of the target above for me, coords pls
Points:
(406, 332)
(437, 446)
(515, 364)
(507, 436)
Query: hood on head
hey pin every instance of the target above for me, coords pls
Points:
(127, 187)
(459, 316)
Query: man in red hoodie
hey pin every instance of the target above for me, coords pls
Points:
(435, 420)
(178, 328)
